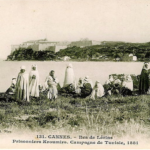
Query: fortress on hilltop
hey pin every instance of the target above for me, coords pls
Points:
(44, 44)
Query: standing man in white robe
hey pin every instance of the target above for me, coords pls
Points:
(51, 87)
(69, 76)
(34, 82)
(22, 85)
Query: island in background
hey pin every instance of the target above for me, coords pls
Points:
(83, 50)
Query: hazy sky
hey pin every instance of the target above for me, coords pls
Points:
(58, 20)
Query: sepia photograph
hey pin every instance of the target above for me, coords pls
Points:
(75, 74)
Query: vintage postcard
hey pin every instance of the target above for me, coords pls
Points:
(75, 74)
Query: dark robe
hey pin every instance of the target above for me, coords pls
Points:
(70, 89)
(144, 82)
(125, 91)
(86, 90)
(11, 90)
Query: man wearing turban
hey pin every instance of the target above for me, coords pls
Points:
(144, 80)
(34, 82)
(22, 85)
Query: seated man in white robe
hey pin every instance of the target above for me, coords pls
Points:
(98, 91)
(22, 85)
(79, 85)
(116, 85)
(110, 80)
(10, 93)
(112, 85)
(109, 85)
(127, 86)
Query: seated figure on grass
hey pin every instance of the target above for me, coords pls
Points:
(98, 91)
(127, 86)
(10, 93)
(68, 90)
(79, 85)
(86, 89)
(117, 85)
(112, 85)
(12, 88)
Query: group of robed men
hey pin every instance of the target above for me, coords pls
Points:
(27, 86)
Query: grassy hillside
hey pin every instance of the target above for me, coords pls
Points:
(114, 116)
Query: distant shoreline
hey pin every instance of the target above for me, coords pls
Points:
(70, 61)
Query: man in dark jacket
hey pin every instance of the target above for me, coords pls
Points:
(144, 80)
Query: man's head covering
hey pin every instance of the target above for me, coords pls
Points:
(35, 66)
(13, 81)
(111, 78)
(80, 78)
(69, 66)
(52, 71)
(97, 82)
(23, 67)
(144, 66)
(86, 78)
(128, 78)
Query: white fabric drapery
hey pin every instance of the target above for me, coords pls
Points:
(34, 82)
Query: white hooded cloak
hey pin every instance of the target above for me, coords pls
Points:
(69, 76)
(98, 91)
(109, 80)
(128, 83)
(34, 82)
(22, 86)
